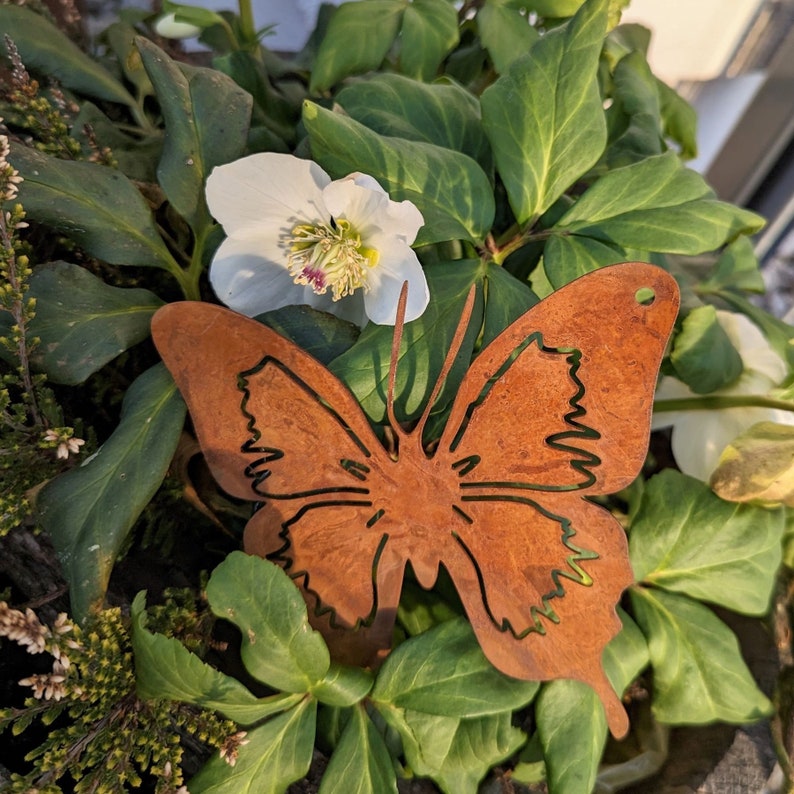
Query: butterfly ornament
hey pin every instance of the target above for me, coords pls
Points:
(555, 410)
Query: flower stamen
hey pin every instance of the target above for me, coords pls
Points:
(330, 256)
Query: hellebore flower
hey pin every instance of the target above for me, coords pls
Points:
(700, 436)
(294, 236)
(168, 27)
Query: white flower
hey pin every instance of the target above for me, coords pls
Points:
(66, 442)
(700, 436)
(167, 27)
(296, 237)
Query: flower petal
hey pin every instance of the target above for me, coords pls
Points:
(699, 437)
(267, 191)
(250, 283)
(753, 346)
(361, 200)
(397, 265)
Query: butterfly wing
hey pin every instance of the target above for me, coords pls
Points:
(271, 420)
(278, 428)
(556, 408)
(562, 399)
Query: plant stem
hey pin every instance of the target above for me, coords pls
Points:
(721, 402)
(247, 26)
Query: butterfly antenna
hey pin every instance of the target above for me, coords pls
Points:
(395, 354)
(452, 353)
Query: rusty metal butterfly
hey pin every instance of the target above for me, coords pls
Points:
(556, 409)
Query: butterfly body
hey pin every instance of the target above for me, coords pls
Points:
(554, 410)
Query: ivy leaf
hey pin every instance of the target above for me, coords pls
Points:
(456, 753)
(164, 668)
(679, 120)
(703, 356)
(636, 99)
(89, 510)
(82, 323)
(450, 189)
(429, 31)
(736, 268)
(778, 333)
(360, 763)
(565, 258)
(505, 32)
(279, 647)
(353, 44)
(687, 540)
(699, 674)
(343, 685)
(96, 206)
(323, 335)
(443, 114)
(571, 722)
(417, 676)
(657, 205)
(544, 118)
(206, 118)
(277, 754)
(758, 465)
(45, 49)
(506, 299)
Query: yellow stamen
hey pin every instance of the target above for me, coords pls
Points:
(325, 256)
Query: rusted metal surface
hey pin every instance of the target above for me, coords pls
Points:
(555, 409)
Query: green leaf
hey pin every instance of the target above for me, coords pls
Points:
(120, 37)
(626, 655)
(544, 118)
(82, 323)
(137, 156)
(343, 685)
(96, 206)
(737, 268)
(570, 718)
(455, 753)
(441, 113)
(277, 754)
(758, 465)
(164, 668)
(703, 355)
(450, 189)
(364, 368)
(687, 540)
(505, 32)
(274, 113)
(555, 9)
(361, 763)
(698, 672)
(429, 32)
(636, 100)
(565, 258)
(679, 121)
(657, 205)
(206, 118)
(279, 647)
(506, 299)
(418, 675)
(357, 40)
(46, 50)
(89, 510)
(323, 335)
(778, 333)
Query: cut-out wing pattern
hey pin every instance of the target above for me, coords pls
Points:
(555, 409)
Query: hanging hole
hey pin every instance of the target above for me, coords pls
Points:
(645, 296)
